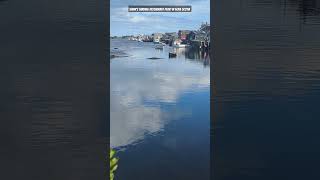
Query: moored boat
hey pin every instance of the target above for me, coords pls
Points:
(172, 55)
(181, 45)
(158, 46)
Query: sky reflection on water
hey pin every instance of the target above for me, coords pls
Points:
(140, 87)
(160, 112)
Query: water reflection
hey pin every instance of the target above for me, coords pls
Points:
(139, 89)
(156, 104)
(194, 55)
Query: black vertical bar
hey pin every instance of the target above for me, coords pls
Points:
(54, 86)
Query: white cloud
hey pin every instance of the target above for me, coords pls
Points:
(131, 118)
(124, 22)
(136, 19)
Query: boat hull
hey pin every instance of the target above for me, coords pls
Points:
(180, 45)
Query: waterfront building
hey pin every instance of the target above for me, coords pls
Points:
(168, 38)
(183, 34)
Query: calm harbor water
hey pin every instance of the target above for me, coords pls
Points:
(160, 112)
(267, 89)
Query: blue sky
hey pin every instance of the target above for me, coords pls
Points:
(123, 22)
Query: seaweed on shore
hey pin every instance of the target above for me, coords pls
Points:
(115, 52)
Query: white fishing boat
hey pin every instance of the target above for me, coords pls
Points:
(181, 45)
(156, 41)
(178, 44)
